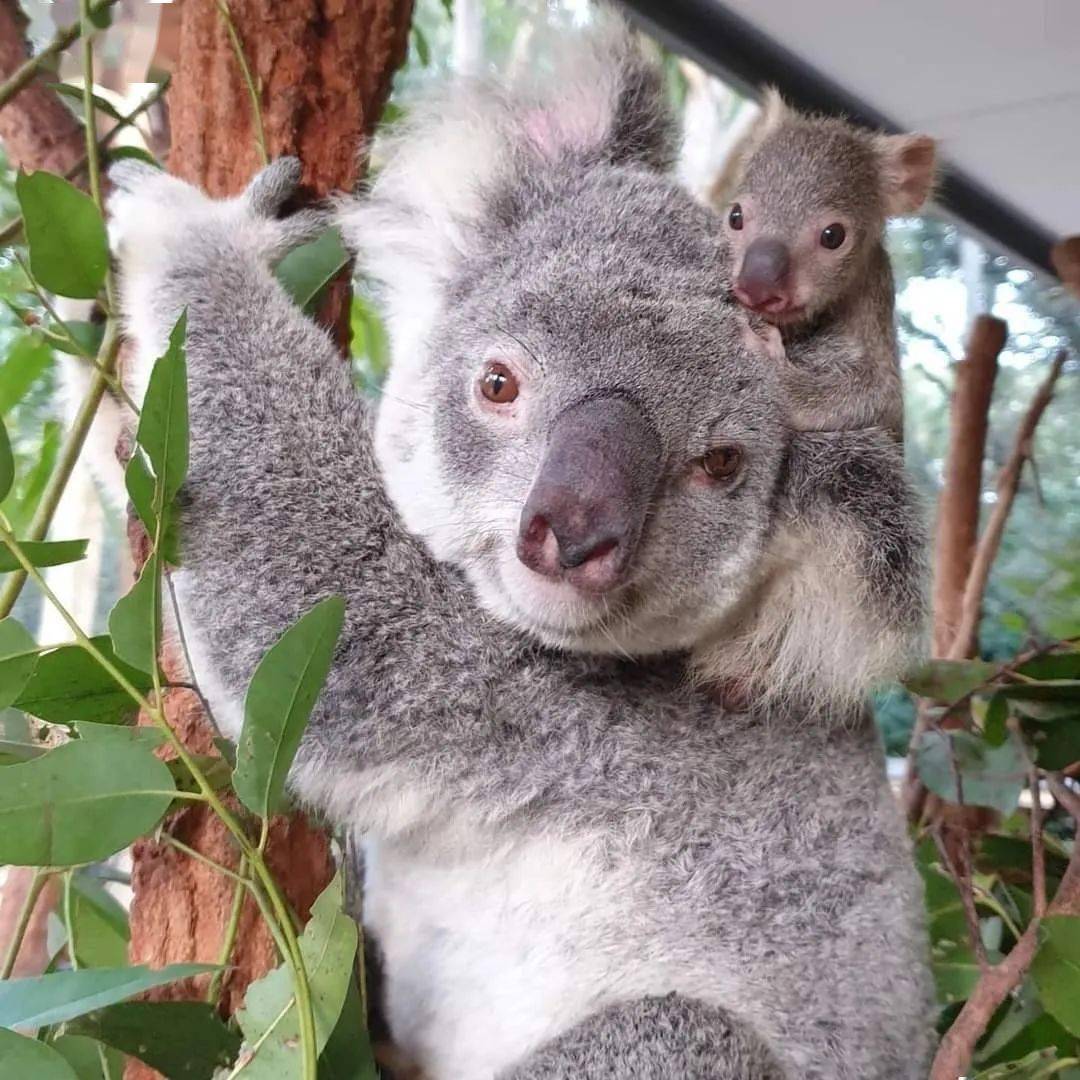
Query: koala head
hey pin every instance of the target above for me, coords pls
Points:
(571, 416)
(809, 204)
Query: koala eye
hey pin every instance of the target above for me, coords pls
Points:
(722, 462)
(734, 218)
(499, 385)
(832, 236)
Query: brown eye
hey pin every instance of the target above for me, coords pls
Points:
(833, 236)
(734, 218)
(722, 462)
(498, 385)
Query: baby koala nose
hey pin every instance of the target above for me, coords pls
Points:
(762, 281)
(562, 539)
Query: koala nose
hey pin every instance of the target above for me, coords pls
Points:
(762, 283)
(583, 518)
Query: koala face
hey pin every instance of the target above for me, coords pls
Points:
(805, 215)
(587, 436)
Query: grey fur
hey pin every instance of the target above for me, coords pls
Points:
(753, 864)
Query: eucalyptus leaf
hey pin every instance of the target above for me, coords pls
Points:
(69, 253)
(268, 1018)
(63, 995)
(183, 1040)
(80, 802)
(140, 485)
(18, 658)
(69, 685)
(348, 1054)
(163, 421)
(84, 1056)
(961, 767)
(43, 553)
(1063, 665)
(22, 503)
(21, 1057)
(1057, 745)
(101, 924)
(309, 268)
(7, 464)
(76, 94)
(279, 701)
(1056, 969)
(133, 621)
(28, 358)
(948, 680)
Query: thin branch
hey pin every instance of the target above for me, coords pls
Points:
(26, 912)
(960, 871)
(249, 81)
(1007, 486)
(61, 40)
(10, 232)
(232, 927)
(1038, 851)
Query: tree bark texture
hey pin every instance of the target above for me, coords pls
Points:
(322, 70)
(37, 129)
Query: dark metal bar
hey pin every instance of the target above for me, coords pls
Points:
(737, 51)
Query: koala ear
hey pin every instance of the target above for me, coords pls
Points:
(774, 110)
(908, 171)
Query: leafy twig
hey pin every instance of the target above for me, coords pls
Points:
(232, 927)
(26, 912)
(249, 81)
(61, 40)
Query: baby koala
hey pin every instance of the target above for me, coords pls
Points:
(807, 198)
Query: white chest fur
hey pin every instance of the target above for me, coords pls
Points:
(490, 953)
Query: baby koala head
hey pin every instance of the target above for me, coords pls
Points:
(571, 415)
(808, 205)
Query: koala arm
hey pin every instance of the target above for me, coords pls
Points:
(284, 503)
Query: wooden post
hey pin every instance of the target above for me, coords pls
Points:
(322, 73)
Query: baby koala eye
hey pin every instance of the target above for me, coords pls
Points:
(499, 385)
(735, 218)
(832, 236)
(722, 462)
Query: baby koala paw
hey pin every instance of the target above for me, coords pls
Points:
(157, 221)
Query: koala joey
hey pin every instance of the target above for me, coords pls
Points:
(577, 863)
(806, 201)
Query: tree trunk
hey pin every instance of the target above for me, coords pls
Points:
(322, 69)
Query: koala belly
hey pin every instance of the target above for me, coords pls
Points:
(489, 954)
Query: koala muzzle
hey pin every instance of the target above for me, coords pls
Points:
(583, 518)
(763, 279)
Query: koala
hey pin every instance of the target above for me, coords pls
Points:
(806, 199)
(578, 863)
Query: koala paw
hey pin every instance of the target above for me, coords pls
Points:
(154, 217)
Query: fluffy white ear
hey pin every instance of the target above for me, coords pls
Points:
(774, 110)
(908, 171)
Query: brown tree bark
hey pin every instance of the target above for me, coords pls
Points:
(37, 129)
(1066, 259)
(323, 70)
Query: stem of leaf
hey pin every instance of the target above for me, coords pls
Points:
(217, 980)
(245, 70)
(69, 922)
(37, 883)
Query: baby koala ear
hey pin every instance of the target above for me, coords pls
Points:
(908, 171)
(774, 110)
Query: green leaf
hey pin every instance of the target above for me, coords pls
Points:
(163, 421)
(140, 488)
(133, 620)
(18, 658)
(955, 970)
(948, 680)
(52, 999)
(142, 734)
(27, 360)
(994, 719)
(423, 51)
(183, 1040)
(118, 153)
(69, 253)
(961, 767)
(308, 269)
(1056, 969)
(101, 924)
(268, 1018)
(80, 802)
(7, 464)
(44, 553)
(69, 685)
(21, 1057)
(20, 505)
(76, 94)
(348, 1054)
(279, 701)
(84, 1056)
(1064, 665)
(1057, 745)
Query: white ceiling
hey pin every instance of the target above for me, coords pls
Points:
(997, 81)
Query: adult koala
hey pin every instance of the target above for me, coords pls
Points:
(579, 864)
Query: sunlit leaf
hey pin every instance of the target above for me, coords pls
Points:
(27, 360)
(80, 802)
(133, 618)
(66, 236)
(163, 421)
(51, 999)
(269, 1018)
(43, 553)
(24, 1057)
(961, 767)
(183, 1040)
(21, 504)
(69, 685)
(279, 701)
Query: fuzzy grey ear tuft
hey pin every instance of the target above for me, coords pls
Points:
(774, 110)
(908, 171)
